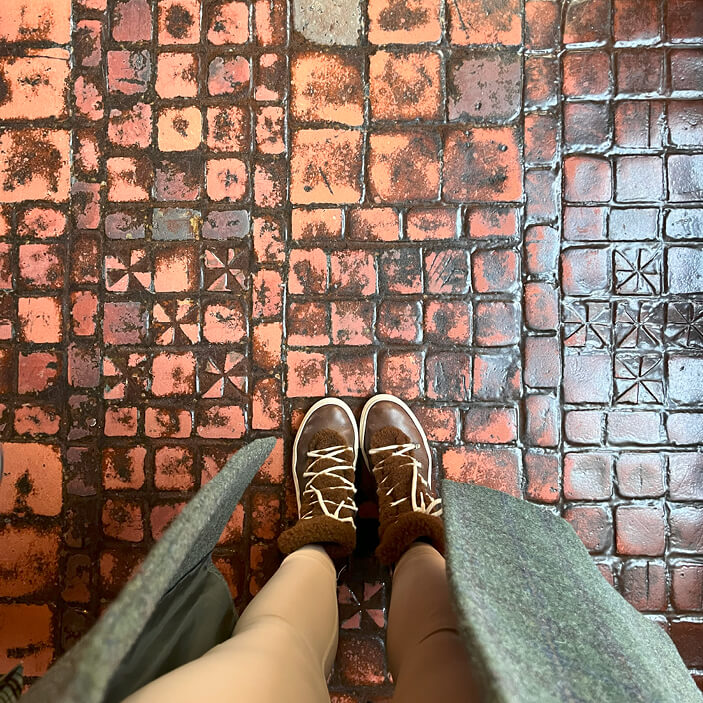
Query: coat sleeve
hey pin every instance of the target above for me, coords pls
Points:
(83, 674)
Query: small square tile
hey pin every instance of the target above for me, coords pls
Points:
(482, 164)
(404, 86)
(129, 178)
(128, 72)
(409, 22)
(228, 128)
(176, 75)
(326, 166)
(40, 319)
(226, 179)
(228, 23)
(229, 75)
(179, 128)
(404, 166)
(179, 22)
(470, 23)
(130, 126)
(327, 87)
(485, 86)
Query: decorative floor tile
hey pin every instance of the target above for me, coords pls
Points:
(213, 213)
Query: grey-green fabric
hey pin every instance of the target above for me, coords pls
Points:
(84, 674)
(540, 622)
(174, 634)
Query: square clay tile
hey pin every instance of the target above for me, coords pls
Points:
(326, 166)
(34, 471)
(128, 72)
(40, 319)
(176, 269)
(173, 469)
(40, 266)
(34, 165)
(131, 21)
(179, 128)
(179, 178)
(36, 20)
(41, 223)
(38, 85)
(123, 467)
(130, 126)
(228, 22)
(484, 85)
(173, 374)
(482, 164)
(228, 128)
(306, 374)
(179, 22)
(226, 179)
(472, 23)
(129, 178)
(327, 88)
(37, 371)
(225, 322)
(404, 21)
(404, 166)
(405, 86)
(229, 75)
(176, 75)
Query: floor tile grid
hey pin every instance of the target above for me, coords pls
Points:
(666, 583)
(369, 644)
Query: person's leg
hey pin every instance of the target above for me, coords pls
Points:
(282, 648)
(426, 654)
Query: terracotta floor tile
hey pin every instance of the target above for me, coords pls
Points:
(210, 221)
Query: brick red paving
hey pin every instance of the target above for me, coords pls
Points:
(492, 209)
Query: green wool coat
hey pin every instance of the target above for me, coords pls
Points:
(540, 622)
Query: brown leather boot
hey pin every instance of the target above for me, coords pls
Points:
(395, 449)
(324, 456)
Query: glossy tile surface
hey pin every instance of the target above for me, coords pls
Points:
(213, 213)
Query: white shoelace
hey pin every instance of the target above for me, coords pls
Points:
(329, 454)
(404, 451)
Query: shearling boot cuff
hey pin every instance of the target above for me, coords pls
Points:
(338, 537)
(401, 532)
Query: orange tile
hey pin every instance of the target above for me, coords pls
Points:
(404, 21)
(40, 319)
(34, 165)
(327, 87)
(38, 85)
(472, 22)
(405, 86)
(404, 166)
(326, 166)
(32, 478)
(35, 20)
(179, 128)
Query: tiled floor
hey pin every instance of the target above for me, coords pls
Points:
(213, 215)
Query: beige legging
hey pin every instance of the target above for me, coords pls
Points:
(284, 644)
